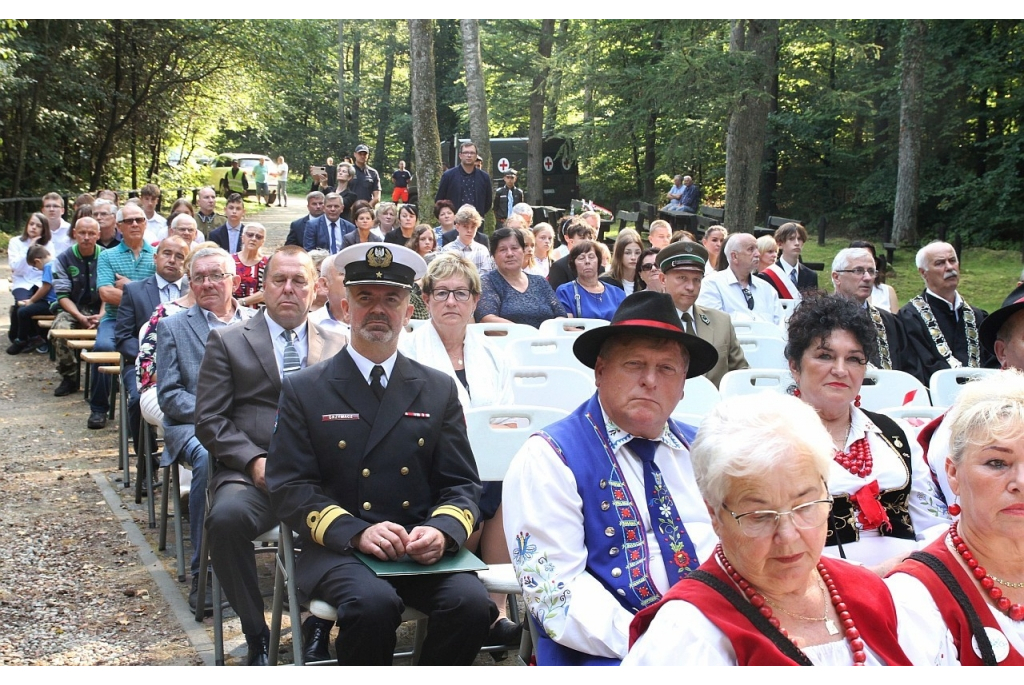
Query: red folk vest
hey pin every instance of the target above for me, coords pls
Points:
(866, 597)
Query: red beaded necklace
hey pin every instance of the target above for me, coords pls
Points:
(1014, 611)
(758, 601)
(858, 460)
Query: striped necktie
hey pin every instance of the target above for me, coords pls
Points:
(291, 355)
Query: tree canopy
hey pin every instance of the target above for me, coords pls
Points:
(115, 103)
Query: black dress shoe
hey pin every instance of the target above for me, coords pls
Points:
(97, 419)
(505, 632)
(316, 635)
(259, 646)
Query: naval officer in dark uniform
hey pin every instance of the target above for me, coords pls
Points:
(370, 453)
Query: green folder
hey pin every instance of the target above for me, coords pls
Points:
(463, 560)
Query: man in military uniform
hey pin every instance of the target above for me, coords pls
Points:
(370, 454)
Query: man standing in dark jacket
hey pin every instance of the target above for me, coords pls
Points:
(465, 184)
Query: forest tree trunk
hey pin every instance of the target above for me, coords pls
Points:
(426, 139)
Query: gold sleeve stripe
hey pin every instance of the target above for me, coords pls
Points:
(463, 516)
(319, 521)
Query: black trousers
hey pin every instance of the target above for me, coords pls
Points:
(239, 513)
(370, 611)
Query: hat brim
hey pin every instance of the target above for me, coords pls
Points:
(374, 281)
(703, 355)
(989, 328)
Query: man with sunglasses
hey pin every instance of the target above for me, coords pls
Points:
(132, 260)
(853, 276)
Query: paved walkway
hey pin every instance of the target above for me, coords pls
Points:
(277, 221)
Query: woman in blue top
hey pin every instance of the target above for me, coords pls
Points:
(586, 296)
(509, 294)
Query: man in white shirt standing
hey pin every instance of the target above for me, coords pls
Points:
(735, 291)
(156, 225)
(53, 208)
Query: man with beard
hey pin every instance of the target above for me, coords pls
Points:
(941, 327)
(370, 454)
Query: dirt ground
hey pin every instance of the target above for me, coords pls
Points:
(81, 579)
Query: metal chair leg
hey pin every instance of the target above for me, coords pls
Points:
(165, 489)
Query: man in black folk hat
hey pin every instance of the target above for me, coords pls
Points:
(601, 509)
(370, 454)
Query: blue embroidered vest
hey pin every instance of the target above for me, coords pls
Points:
(613, 532)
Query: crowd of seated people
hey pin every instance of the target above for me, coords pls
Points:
(803, 530)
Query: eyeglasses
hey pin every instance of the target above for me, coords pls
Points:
(101, 215)
(755, 524)
(461, 295)
(859, 271)
(254, 236)
(134, 220)
(199, 279)
(649, 266)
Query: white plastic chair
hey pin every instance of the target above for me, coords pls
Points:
(882, 388)
(690, 419)
(946, 384)
(762, 329)
(414, 324)
(764, 352)
(547, 386)
(547, 351)
(496, 434)
(787, 309)
(699, 395)
(912, 411)
(569, 326)
(754, 381)
(501, 334)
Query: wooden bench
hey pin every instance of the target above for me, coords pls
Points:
(74, 333)
(635, 218)
(772, 224)
(890, 253)
(679, 220)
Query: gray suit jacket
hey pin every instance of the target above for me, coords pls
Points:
(239, 384)
(180, 344)
(716, 327)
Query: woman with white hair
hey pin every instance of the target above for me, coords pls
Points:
(768, 596)
(968, 586)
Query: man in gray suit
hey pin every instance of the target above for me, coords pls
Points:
(682, 268)
(180, 344)
(236, 406)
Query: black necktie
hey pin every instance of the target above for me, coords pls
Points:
(749, 297)
(334, 245)
(375, 375)
(688, 323)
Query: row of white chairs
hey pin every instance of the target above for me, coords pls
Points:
(566, 388)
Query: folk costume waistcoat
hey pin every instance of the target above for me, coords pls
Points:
(613, 532)
(952, 613)
(864, 593)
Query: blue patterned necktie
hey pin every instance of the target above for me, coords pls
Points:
(677, 551)
(291, 355)
(792, 275)
(334, 244)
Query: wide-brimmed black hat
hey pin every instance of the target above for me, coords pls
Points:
(650, 314)
(1013, 303)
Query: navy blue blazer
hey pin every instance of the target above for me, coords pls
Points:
(138, 301)
(297, 231)
(220, 236)
(317, 236)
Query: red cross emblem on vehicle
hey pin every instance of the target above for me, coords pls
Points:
(549, 164)
(503, 165)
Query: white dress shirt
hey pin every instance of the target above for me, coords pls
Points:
(722, 291)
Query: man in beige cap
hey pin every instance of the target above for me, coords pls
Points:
(682, 268)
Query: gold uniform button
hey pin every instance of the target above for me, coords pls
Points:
(342, 444)
(366, 506)
(420, 442)
(405, 504)
(405, 471)
(366, 473)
